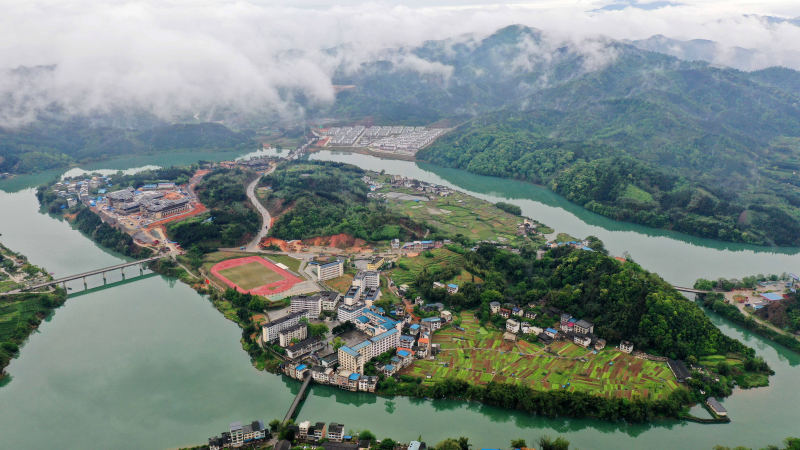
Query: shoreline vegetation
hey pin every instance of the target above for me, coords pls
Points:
(585, 283)
(740, 302)
(21, 313)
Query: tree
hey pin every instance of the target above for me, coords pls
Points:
(274, 424)
(337, 342)
(463, 443)
(387, 444)
(317, 329)
(518, 443)
(448, 444)
(366, 435)
(547, 443)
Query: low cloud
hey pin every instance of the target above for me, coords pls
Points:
(178, 59)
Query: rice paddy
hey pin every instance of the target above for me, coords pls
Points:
(478, 355)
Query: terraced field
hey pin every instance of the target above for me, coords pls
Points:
(479, 356)
(408, 268)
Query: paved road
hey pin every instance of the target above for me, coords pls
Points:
(265, 217)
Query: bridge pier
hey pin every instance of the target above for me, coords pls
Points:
(85, 286)
(104, 278)
(122, 271)
(141, 269)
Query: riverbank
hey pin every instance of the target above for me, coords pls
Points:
(80, 374)
(245, 309)
(21, 313)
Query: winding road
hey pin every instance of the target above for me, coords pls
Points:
(266, 219)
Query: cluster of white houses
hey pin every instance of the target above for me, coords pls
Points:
(239, 435)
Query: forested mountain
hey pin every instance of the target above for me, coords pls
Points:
(53, 143)
(651, 139)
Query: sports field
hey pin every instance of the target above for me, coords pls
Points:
(254, 275)
(250, 276)
(480, 356)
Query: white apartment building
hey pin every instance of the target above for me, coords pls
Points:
(299, 332)
(329, 270)
(312, 303)
(269, 331)
(367, 279)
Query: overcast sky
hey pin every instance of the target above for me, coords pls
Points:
(174, 57)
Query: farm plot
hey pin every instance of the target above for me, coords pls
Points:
(479, 356)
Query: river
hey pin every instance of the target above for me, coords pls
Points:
(151, 364)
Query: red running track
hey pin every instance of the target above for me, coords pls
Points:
(276, 287)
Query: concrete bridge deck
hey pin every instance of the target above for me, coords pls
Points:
(299, 398)
(90, 273)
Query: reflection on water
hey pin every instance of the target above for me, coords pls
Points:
(679, 258)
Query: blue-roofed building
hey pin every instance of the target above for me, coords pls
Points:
(551, 332)
(403, 353)
(432, 323)
(406, 341)
(452, 288)
(772, 296)
(354, 377)
(389, 369)
(353, 358)
(414, 328)
(362, 319)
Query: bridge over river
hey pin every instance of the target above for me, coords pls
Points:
(102, 271)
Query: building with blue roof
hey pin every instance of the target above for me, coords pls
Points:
(772, 296)
(403, 353)
(354, 377)
(353, 358)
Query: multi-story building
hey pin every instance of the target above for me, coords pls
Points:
(626, 346)
(371, 295)
(494, 307)
(269, 331)
(305, 347)
(335, 432)
(367, 279)
(159, 209)
(354, 358)
(373, 322)
(584, 327)
(353, 295)
(329, 300)
(239, 435)
(376, 263)
(512, 326)
(350, 359)
(431, 323)
(312, 303)
(328, 270)
(299, 332)
(348, 313)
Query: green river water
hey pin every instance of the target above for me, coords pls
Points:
(151, 364)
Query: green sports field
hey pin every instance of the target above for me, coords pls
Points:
(479, 356)
(250, 276)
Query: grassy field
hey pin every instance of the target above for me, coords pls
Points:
(407, 269)
(8, 285)
(341, 284)
(292, 263)
(459, 213)
(251, 275)
(479, 356)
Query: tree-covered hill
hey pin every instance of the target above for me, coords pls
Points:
(312, 199)
(653, 140)
(56, 143)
